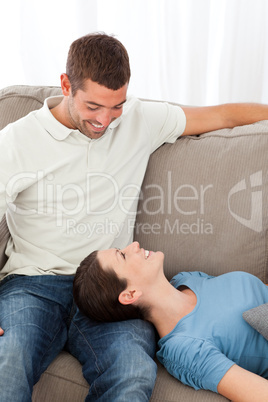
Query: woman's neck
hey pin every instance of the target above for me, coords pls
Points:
(171, 307)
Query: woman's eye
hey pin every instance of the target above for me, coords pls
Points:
(123, 255)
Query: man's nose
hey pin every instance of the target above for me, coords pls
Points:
(104, 117)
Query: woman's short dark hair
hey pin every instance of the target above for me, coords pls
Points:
(96, 293)
(99, 57)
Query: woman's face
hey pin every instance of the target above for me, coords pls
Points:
(133, 263)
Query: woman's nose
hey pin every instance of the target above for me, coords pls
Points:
(135, 246)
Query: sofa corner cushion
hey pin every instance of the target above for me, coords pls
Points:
(18, 100)
(4, 236)
(257, 317)
(204, 202)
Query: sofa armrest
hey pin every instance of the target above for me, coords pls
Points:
(4, 236)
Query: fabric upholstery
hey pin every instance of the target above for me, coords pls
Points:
(18, 100)
(4, 236)
(64, 377)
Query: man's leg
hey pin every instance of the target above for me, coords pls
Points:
(117, 358)
(33, 314)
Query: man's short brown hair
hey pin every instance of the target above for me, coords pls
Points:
(100, 58)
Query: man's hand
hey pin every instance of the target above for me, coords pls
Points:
(1, 331)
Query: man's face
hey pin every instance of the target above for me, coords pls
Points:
(92, 110)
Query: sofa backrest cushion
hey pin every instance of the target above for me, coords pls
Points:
(204, 202)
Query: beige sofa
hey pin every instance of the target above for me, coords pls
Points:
(203, 203)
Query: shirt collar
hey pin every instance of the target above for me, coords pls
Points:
(49, 122)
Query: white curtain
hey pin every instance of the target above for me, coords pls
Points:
(195, 52)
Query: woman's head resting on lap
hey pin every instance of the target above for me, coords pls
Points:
(115, 285)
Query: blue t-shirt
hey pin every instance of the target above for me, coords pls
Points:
(214, 336)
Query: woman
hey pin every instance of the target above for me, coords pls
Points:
(204, 341)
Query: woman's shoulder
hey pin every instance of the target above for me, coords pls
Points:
(183, 277)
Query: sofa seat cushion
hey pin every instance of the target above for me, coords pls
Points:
(62, 381)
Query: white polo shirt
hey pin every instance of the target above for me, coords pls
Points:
(65, 194)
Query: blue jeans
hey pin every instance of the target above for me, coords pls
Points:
(39, 318)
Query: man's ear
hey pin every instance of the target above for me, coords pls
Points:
(65, 84)
(129, 296)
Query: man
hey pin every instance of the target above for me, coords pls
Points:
(70, 175)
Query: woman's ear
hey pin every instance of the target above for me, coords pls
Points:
(129, 296)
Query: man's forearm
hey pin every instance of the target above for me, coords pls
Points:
(239, 114)
(203, 119)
